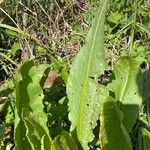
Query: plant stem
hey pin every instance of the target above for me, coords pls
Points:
(135, 7)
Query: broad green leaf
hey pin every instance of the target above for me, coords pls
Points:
(32, 136)
(125, 88)
(64, 142)
(36, 131)
(31, 92)
(45, 145)
(83, 98)
(28, 96)
(113, 135)
(21, 141)
(146, 139)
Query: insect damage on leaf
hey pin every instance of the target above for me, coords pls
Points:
(103, 78)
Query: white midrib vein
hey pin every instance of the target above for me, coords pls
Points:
(125, 85)
(80, 113)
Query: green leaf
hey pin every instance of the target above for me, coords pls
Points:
(32, 136)
(11, 33)
(115, 17)
(58, 116)
(28, 96)
(15, 47)
(21, 141)
(146, 139)
(31, 91)
(41, 51)
(145, 28)
(45, 143)
(9, 119)
(36, 132)
(84, 100)
(64, 142)
(113, 135)
(145, 87)
(126, 88)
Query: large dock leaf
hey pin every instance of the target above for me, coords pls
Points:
(29, 96)
(84, 100)
(126, 88)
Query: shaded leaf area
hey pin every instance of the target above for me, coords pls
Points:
(144, 91)
(2, 130)
(6, 115)
(125, 89)
(145, 84)
(55, 102)
(4, 96)
(28, 103)
(84, 98)
(146, 139)
(113, 134)
(64, 142)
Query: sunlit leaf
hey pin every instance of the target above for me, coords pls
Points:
(84, 100)
(126, 89)
(29, 97)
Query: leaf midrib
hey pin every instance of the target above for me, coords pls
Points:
(126, 83)
(80, 113)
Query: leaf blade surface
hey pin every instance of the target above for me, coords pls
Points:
(90, 62)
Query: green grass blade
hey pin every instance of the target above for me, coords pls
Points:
(13, 29)
(113, 135)
(144, 28)
(83, 98)
(9, 59)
